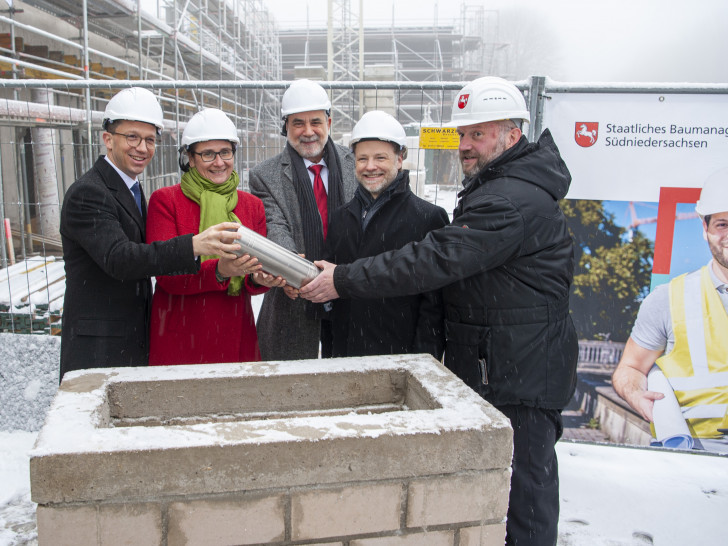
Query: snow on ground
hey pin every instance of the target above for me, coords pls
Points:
(613, 495)
(610, 495)
(17, 512)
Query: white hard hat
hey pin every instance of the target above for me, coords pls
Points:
(209, 124)
(134, 104)
(304, 96)
(714, 195)
(488, 99)
(378, 125)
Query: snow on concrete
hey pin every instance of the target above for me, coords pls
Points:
(610, 496)
(77, 422)
(29, 372)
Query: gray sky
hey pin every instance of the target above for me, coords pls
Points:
(573, 40)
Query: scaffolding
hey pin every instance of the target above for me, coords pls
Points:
(50, 135)
(50, 131)
(461, 49)
(158, 40)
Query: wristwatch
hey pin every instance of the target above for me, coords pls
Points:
(219, 277)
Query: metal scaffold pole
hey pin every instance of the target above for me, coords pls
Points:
(87, 76)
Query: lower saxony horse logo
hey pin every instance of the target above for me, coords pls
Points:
(586, 133)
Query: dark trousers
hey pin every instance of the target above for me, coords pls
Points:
(533, 507)
(327, 339)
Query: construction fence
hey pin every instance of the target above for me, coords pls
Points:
(50, 134)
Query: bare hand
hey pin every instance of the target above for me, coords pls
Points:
(217, 241)
(265, 279)
(643, 402)
(291, 291)
(321, 289)
(630, 378)
(239, 266)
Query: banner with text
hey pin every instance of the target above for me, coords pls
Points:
(626, 146)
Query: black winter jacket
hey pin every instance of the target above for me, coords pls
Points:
(395, 325)
(505, 265)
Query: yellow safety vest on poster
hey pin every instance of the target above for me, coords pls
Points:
(439, 138)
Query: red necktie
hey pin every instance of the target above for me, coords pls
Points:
(320, 193)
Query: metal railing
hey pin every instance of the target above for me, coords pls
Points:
(50, 135)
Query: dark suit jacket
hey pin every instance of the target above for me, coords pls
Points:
(108, 270)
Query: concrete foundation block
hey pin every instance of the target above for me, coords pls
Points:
(226, 521)
(477, 497)
(432, 538)
(106, 525)
(67, 526)
(282, 453)
(130, 524)
(486, 535)
(345, 511)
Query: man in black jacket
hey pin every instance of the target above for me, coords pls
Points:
(505, 265)
(108, 267)
(383, 215)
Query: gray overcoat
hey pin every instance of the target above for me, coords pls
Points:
(285, 332)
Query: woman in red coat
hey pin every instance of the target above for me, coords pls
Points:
(206, 317)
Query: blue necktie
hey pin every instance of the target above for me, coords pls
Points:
(137, 196)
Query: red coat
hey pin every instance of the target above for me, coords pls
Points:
(194, 321)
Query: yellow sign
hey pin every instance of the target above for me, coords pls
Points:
(439, 138)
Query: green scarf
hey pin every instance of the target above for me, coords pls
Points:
(217, 203)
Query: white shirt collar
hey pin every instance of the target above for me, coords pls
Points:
(308, 163)
(125, 177)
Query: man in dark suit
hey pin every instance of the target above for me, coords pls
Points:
(300, 188)
(108, 266)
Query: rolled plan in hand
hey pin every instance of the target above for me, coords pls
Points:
(671, 430)
(275, 259)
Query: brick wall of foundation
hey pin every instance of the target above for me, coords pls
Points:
(425, 487)
(464, 509)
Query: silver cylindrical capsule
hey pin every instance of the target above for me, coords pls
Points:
(275, 259)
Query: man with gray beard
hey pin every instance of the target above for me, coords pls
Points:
(299, 188)
(505, 266)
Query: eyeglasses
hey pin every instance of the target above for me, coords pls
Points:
(208, 155)
(134, 140)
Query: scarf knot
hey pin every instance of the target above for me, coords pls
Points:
(217, 203)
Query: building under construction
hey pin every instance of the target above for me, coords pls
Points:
(61, 61)
(50, 135)
(46, 135)
(463, 48)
